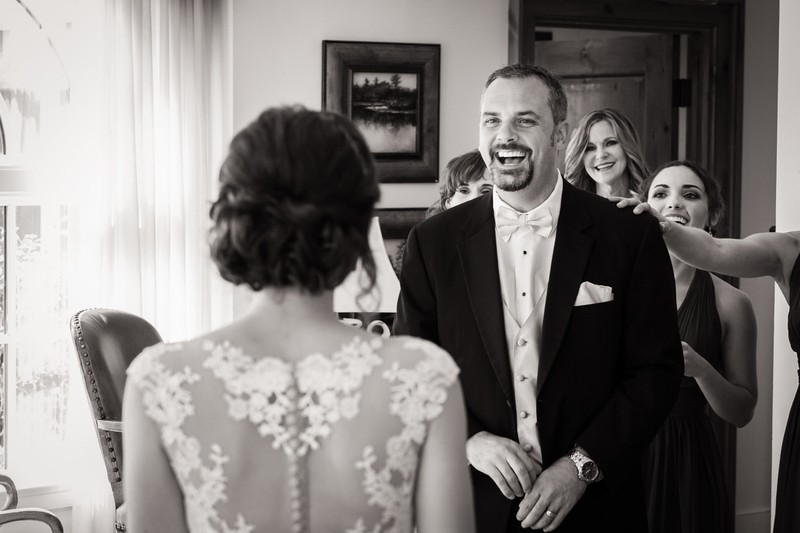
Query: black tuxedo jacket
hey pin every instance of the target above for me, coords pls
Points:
(608, 372)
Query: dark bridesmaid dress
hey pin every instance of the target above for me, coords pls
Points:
(684, 480)
(787, 507)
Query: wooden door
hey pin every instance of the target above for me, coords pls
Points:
(630, 74)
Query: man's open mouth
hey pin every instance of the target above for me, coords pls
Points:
(510, 157)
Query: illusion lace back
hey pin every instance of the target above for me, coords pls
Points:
(330, 444)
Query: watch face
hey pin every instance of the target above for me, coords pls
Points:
(589, 470)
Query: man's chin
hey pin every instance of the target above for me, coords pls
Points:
(511, 180)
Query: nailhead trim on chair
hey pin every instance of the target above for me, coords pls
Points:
(90, 372)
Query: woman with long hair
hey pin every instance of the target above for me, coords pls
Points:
(775, 255)
(604, 155)
(684, 477)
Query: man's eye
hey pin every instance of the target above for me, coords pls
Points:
(526, 122)
(491, 121)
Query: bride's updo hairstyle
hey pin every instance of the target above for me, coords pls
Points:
(297, 194)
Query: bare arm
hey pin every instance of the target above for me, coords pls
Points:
(444, 489)
(733, 393)
(152, 495)
(760, 254)
(754, 256)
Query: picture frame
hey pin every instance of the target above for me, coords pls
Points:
(391, 92)
(397, 223)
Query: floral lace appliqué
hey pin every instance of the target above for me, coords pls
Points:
(168, 403)
(297, 408)
(418, 395)
(322, 390)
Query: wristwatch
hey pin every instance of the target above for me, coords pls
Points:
(587, 469)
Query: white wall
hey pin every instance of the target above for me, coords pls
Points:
(277, 50)
(759, 125)
(787, 216)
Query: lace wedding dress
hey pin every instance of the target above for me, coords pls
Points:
(331, 443)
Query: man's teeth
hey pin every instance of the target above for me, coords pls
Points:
(677, 219)
(604, 166)
(510, 156)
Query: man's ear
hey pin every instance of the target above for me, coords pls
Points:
(561, 133)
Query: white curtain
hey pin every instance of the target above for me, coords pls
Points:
(142, 220)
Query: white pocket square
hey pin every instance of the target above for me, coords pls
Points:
(589, 294)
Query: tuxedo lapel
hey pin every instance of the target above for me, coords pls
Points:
(477, 251)
(570, 254)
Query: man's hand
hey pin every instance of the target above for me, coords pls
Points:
(503, 460)
(557, 490)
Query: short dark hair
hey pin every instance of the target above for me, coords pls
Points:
(557, 100)
(461, 170)
(716, 205)
(296, 199)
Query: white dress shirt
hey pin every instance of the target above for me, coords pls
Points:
(524, 258)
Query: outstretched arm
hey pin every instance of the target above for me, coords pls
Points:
(761, 254)
(444, 490)
(152, 495)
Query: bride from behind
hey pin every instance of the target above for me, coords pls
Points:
(287, 420)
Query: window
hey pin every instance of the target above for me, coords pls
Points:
(34, 344)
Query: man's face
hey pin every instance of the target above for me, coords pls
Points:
(518, 140)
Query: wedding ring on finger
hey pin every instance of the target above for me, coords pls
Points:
(550, 513)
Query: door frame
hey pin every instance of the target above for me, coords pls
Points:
(715, 64)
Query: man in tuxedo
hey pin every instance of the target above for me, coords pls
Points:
(559, 309)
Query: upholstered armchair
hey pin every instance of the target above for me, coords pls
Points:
(106, 341)
(9, 512)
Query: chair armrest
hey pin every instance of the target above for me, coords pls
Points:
(37, 515)
(110, 425)
(11, 493)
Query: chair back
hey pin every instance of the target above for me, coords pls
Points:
(106, 341)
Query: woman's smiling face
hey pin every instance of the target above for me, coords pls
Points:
(604, 159)
(680, 195)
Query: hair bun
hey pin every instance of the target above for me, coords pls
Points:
(296, 200)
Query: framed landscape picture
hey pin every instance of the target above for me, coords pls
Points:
(391, 93)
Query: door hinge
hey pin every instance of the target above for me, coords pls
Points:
(681, 92)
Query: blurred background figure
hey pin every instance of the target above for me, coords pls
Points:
(465, 177)
(604, 155)
(287, 419)
(684, 478)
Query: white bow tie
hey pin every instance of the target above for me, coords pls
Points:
(508, 221)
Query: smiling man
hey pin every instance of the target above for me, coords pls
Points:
(560, 310)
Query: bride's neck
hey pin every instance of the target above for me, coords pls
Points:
(291, 306)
